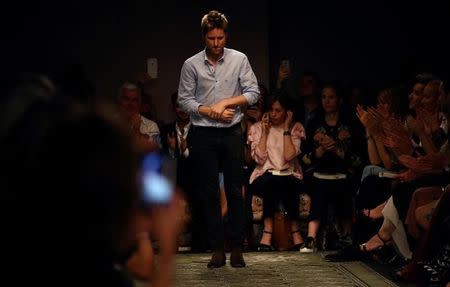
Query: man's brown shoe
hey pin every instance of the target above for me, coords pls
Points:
(217, 259)
(236, 258)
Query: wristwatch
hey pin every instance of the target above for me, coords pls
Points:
(286, 133)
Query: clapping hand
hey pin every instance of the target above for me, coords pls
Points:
(397, 137)
(435, 160)
(328, 143)
(407, 175)
(416, 125)
(430, 120)
(380, 114)
(368, 120)
(409, 162)
(422, 165)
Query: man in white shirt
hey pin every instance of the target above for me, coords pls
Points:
(146, 132)
(214, 85)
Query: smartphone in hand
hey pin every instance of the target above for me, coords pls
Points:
(286, 65)
(155, 188)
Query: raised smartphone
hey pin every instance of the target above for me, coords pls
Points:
(286, 64)
(155, 187)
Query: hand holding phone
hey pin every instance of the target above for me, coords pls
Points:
(286, 66)
(155, 187)
(265, 123)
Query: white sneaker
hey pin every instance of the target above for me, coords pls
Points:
(184, 248)
(310, 246)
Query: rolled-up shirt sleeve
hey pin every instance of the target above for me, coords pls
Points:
(187, 88)
(249, 83)
(254, 136)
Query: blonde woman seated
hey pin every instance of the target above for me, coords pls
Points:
(275, 145)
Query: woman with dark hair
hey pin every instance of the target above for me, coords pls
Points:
(330, 157)
(275, 144)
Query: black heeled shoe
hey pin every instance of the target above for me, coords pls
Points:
(236, 258)
(264, 247)
(217, 259)
(297, 246)
(354, 252)
(384, 241)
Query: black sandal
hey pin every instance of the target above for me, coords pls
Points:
(382, 240)
(264, 247)
(297, 246)
(364, 245)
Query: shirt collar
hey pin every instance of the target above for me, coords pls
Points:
(225, 52)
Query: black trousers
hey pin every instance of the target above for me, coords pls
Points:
(337, 193)
(214, 150)
(274, 189)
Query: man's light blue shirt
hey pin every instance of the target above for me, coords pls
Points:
(201, 84)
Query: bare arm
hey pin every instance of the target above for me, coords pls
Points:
(140, 265)
(167, 228)
(226, 115)
(374, 157)
(218, 108)
(383, 153)
(288, 146)
(376, 148)
(417, 126)
(265, 126)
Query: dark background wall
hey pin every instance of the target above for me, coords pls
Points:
(372, 41)
(112, 41)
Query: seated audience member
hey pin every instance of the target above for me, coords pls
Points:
(275, 145)
(423, 170)
(430, 263)
(374, 190)
(330, 157)
(145, 132)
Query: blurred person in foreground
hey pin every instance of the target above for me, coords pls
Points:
(73, 196)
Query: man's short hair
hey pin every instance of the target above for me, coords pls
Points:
(130, 86)
(213, 20)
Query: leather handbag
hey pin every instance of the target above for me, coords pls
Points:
(282, 237)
